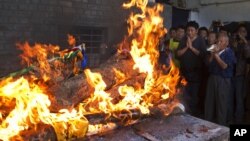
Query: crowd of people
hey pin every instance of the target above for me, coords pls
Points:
(215, 63)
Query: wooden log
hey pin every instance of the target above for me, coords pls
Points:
(122, 117)
(41, 133)
(71, 92)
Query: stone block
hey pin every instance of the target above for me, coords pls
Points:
(179, 127)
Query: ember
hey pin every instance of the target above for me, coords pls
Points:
(139, 84)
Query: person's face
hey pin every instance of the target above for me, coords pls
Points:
(211, 38)
(203, 34)
(222, 42)
(172, 33)
(191, 32)
(180, 33)
(223, 32)
(242, 31)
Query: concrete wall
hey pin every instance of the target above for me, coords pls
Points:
(232, 10)
(167, 15)
(219, 1)
(47, 21)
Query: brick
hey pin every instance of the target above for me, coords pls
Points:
(22, 14)
(68, 10)
(77, 3)
(65, 3)
(53, 2)
(85, 1)
(37, 20)
(92, 2)
(33, 7)
(4, 20)
(42, 7)
(26, 1)
(13, 7)
(79, 11)
(98, 2)
(12, 20)
(100, 13)
(6, 6)
(87, 13)
(36, 1)
(23, 7)
(93, 7)
(1, 33)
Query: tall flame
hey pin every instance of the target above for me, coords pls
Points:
(28, 104)
(38, 56)
(31, 108)
(146, 28)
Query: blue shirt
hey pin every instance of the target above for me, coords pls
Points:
(229, 58)
(84, 62)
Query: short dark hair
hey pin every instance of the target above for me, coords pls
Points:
(203, 28)
(222, 28)
(212, 32)
(241, 25)
(180, 27)
(193, 24)
(172, 28)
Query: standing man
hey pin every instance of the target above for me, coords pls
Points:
(203, 32)
(171, 33)
(219, 85)
(191, 53)
(211, 39)
(241, 49)
(174, 43)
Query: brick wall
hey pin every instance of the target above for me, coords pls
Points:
(49, 21)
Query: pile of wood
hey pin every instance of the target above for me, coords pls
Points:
(70, 92)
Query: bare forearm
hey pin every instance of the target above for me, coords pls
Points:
(182, 51)
(195, 51)
(221, 63)
(210, 58)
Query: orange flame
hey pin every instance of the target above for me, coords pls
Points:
(27, 102)
(100, 100)
(39, 56)
(32, 108)
(147, 29)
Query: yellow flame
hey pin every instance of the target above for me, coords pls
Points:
(39, 57)
(147, 29)
(31, 108)
(100, 99)
(100, 128)
(120, 76)
(28, 105)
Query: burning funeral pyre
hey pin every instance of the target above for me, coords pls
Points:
(125, 89)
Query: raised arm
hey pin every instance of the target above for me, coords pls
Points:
(182, 48)
(221, 63)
